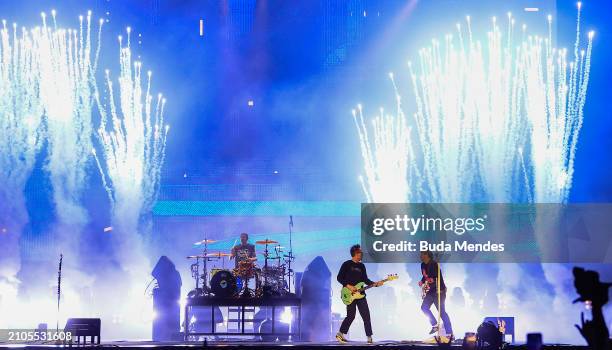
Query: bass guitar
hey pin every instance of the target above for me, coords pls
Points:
(348, 297)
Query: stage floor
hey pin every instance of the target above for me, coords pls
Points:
(254, 345)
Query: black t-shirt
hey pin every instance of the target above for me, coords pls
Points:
(353, 273)
(242, 252)
(431, 270)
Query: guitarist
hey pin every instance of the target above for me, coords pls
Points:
(352, 272)
(429, 269)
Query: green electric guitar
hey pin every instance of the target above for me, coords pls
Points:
(348, 296)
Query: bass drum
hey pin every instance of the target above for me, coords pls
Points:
(215, 270)
(223, 284)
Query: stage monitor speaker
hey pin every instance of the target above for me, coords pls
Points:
(489, 336)
(505, 325)
(534, 341)
(81, 328)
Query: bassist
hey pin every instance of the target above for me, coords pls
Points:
(352, 272)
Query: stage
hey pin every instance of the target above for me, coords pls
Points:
(254, 345)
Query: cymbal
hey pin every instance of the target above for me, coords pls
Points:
(205, 241)
(209, 255)
(270, 257)
(217, 255)
(266, 241)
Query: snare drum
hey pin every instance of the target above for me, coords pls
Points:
(245, 269)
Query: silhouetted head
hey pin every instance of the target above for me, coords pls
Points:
(589, 288)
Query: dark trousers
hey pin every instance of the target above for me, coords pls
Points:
(364, 311)
(432, 298)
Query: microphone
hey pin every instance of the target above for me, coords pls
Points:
(291, 220)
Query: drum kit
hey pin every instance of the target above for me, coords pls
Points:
(213, 279)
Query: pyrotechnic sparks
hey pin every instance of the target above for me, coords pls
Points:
(133, 142)
(45, 84)
(67, 66)
(47, 75)
(387, 169)
(20, 136)
(133, 137)
(496, 121)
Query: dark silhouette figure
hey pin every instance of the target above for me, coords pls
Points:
(594, 294)
(166, 326)
(458, 299)
(316, 301)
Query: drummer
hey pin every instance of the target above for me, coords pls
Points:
(244, 251)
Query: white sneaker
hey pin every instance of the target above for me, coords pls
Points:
(370, 341)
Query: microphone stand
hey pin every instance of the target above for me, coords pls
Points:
(290, 251)
(438, 257)
(438, 295)
(59, 290)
